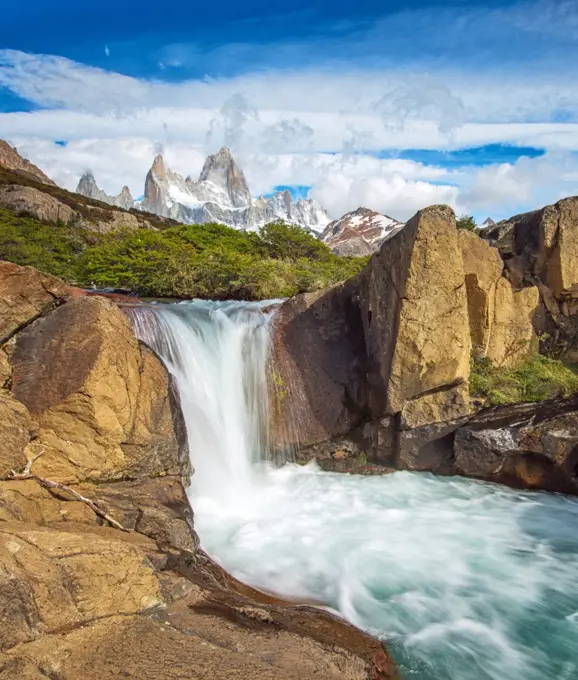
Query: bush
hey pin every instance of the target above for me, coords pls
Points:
(466, 222)
(52, 248)
(537, 379)
(207, 261)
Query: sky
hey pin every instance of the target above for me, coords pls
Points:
(387, 105)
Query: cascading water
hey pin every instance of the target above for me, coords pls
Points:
(463, 580)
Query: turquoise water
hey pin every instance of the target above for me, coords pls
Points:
(463, 580)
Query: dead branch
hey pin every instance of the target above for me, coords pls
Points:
(50, 486)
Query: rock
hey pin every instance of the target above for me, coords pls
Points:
(53, 580)
(27, 501)
(16, 429)
(483, 268)
(25, 294)
(542, 245)
(415, 315)
(532, 446)
(5, 369)
(211, 633)
(157, 508)
(55, 205)
(318, 367)
(428, 448)
(102, 404)
(512, 338)
(12, 160)
(25, 200)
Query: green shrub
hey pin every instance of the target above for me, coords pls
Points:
(537, 379)
(207, 261)
(52, 248)
(466, 222)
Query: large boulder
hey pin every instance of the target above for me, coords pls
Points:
(26, 294)
(531, 446)
(540, 245)
(102, 404)
(415, 315)
(318, 367)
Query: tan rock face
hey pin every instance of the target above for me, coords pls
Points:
(512, 337)
(25, 294)
(60, 579)
(414, 307)
(562, 238)
(101, 402)
(482, 267)
(16, 428)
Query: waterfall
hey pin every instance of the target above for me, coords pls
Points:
(464, 580)
(217, 352)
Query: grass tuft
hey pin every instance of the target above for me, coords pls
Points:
(537, 379)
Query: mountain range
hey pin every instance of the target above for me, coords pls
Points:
(221, 194)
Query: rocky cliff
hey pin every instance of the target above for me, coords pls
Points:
(383, 377)
(12, 160)
(101, 576)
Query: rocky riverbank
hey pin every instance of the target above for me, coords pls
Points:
(101, 575)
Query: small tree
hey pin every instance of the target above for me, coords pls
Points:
(466, 222)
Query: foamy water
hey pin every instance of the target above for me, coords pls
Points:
(463, 580)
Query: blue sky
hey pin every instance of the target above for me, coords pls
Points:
(389, 105)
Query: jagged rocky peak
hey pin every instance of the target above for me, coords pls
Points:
(221, 170)
(158, 166)
(88, 187)
(12, 160)
(221, 194)
(488, 222)
(360, 232)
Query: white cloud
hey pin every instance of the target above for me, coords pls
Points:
(528, 183)
(392, 195)
(279, 123)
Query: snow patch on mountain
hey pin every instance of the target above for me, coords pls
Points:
(360, 232)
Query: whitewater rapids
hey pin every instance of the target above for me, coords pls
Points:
(463, 580)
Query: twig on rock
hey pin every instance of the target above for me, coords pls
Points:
(50, 485)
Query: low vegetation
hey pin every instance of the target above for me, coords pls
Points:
(208, 261)
(537, 379)
(466, 222)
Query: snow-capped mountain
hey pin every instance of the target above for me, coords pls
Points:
(220, 195)
(488, 222)
(360, 232)
(87, 186)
